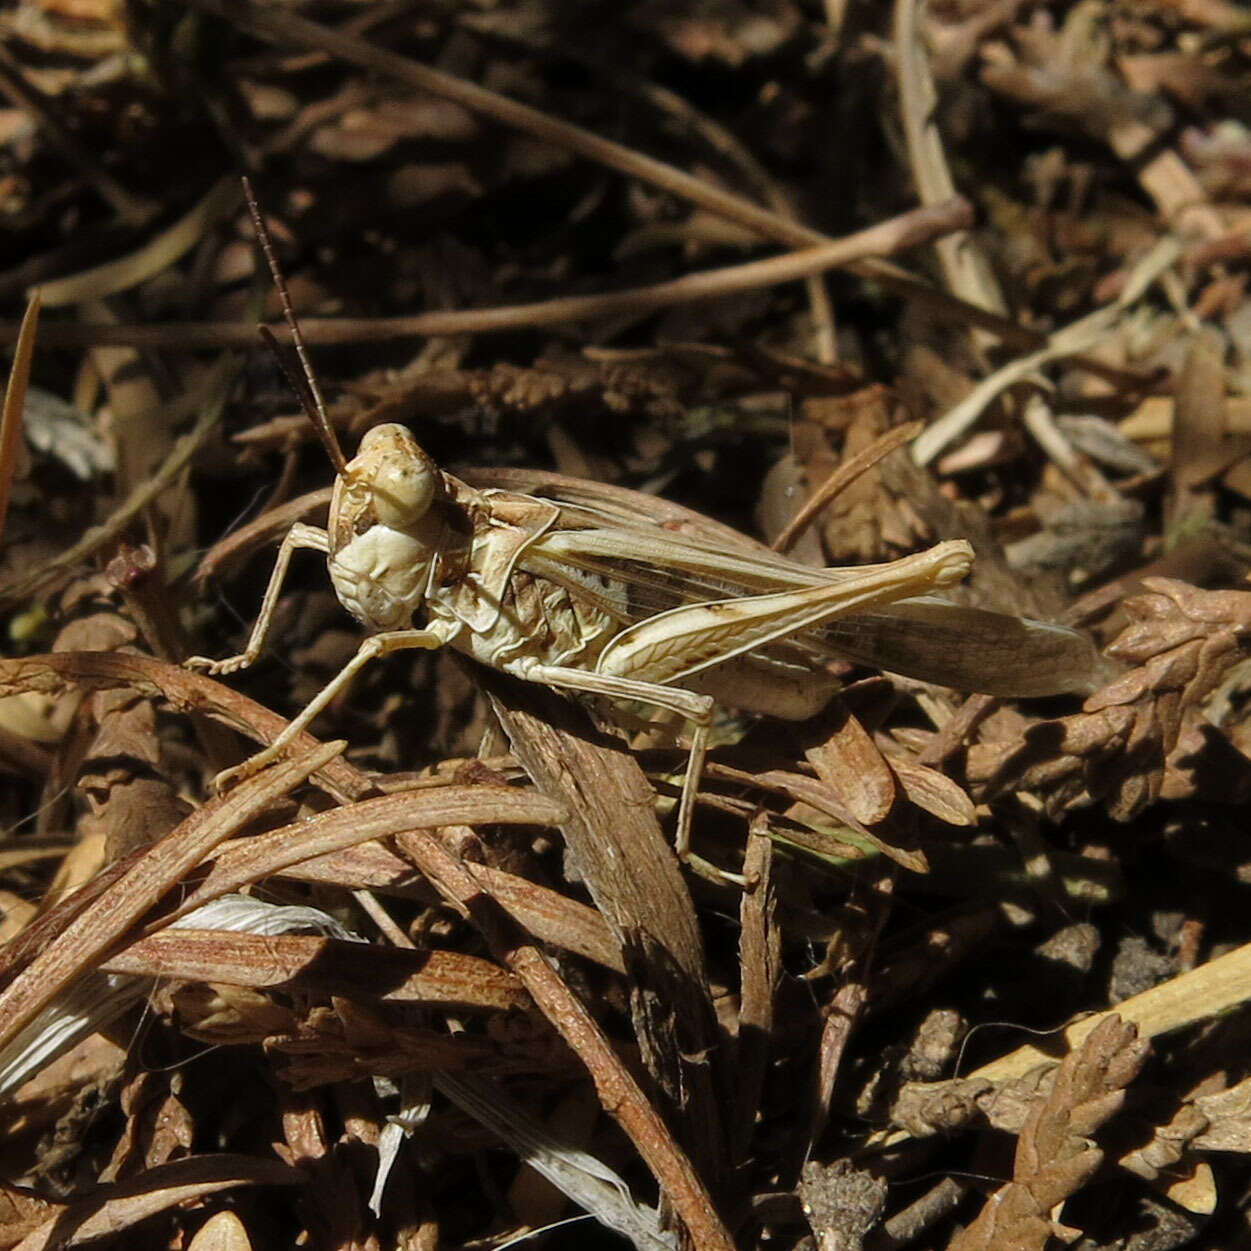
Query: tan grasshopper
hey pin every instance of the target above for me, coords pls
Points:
(573, 585)
(592, 598)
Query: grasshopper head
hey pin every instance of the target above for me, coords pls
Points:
(392, 472)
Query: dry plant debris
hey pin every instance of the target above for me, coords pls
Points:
(1054, 1157)
(851, 278)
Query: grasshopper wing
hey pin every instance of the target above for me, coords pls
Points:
(660, 555)
(969, 649)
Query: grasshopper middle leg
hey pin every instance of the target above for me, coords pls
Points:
(374, 646)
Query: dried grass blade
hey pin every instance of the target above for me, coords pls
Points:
(252, 859)
(80, 946)
(816, 794)
(1211, 989)
(323, 966)
(15, 402)
(111, 1209)
(156, 256)
(1071, 340)
(185, 691)
(583, 1178)
(935, 793)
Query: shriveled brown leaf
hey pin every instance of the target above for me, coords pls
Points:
(158, 1125)
(934, 792)
(850, 764)
(821, 806)
(21, 1213)
(223, 1231)
(1227, 1117)
(1054, 1156)
(1144, 735)
(1170, 1142)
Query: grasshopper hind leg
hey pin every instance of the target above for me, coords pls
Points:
(767, 687)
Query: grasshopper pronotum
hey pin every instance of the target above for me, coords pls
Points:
(582, 592)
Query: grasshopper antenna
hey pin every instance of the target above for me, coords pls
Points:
(304, 386)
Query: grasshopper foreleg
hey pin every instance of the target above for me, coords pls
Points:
(299, 536)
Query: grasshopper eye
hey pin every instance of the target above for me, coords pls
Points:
(400, 477)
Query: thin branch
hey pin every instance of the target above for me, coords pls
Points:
(15, 403)
(894, 235)
(841, 479)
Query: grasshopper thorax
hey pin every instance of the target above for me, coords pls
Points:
(383, 531)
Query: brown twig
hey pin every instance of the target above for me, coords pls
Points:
(185, 691)
(893, 235)
(327, 966)
(618, 1092)
(841, 479)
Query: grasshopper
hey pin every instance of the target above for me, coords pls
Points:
(591, 598)
(571, 585)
